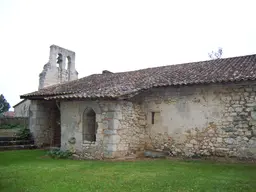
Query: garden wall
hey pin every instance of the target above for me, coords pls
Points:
(13, 121)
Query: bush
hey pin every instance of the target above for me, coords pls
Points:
(24, 134)
(59, 154)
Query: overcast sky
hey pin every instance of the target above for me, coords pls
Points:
(117, 35)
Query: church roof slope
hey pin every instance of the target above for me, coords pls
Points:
(116, 85)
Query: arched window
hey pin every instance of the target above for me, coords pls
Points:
(67, 66)
(89, 125)
(59, 59)
(68, 62)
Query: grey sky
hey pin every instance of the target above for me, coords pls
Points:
(117, 35)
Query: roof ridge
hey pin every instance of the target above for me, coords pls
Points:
(186, 63)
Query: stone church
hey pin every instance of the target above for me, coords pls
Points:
(205, 108)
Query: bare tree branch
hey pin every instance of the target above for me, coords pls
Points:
(216, 54)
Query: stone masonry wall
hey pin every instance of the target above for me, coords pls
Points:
(39, 122)
(202, 120)
(124, 128)
(120, 131)
(22, 110)
(72, 129)
(14, 121)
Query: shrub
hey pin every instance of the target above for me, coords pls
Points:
(59, 154)
(24, 134)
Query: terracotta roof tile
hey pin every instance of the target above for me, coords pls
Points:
(9, 114)
(115, 85)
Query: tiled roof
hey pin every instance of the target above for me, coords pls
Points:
(9, 114)
(19, 103)
(115, 85)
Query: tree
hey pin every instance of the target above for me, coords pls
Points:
(216, 54)
(4, 105)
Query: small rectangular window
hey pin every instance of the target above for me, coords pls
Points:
(153, 118)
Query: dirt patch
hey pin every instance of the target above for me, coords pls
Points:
(44, 157)
(214, 159)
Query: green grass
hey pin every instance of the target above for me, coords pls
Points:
(27, 171)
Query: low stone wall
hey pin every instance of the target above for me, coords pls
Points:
(14, 121)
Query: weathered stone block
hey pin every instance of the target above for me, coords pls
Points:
(245, 139)
(109, 115)
(228, 129)
(98, 117)
(105, 124)
(254, 131)
(108, 154)
(114, 124)
(236, 97)
(115, 138)
(246, 94)
(238, 109)
(110, 147)
(229, 140)
(122, 146)
(189, 145)
(109, 132)
(111, 107)
(230, 119)
(118, 115)
(241, 102)
(248, 89)
(142, 122)
(104, 108)
(250, 104)
(193, 141)
(233, 114)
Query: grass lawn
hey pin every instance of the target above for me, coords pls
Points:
(27, 171)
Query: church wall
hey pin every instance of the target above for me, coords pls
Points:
(202, 120)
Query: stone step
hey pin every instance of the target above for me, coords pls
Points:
(8, 132)
(16, 147)
(8, 138)
(155, 154)
(16, 142)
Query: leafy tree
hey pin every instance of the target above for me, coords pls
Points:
(216, 54)
(4, 105)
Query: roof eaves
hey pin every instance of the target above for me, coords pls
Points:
(19, 103)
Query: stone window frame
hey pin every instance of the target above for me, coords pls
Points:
(95, 106)
(68, 63)
(59, 60)
(153, 114)
(86, 111)
(153, 117)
